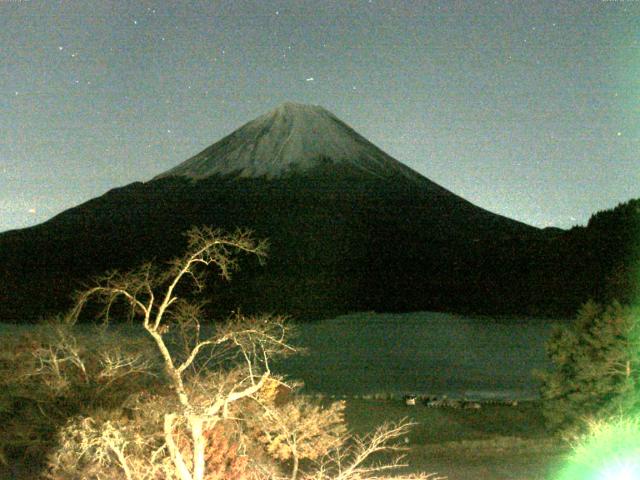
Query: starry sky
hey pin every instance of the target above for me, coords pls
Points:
(527, 108)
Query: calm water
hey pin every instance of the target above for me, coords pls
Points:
(428, 353)
(422, 353)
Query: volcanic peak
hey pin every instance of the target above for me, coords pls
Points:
(293, 137)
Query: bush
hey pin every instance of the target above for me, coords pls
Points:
(51, 374)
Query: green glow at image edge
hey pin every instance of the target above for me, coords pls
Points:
(611, 451)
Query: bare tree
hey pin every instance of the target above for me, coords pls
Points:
(222, 398)
(153, 296)
(299, 429)
(353, 460)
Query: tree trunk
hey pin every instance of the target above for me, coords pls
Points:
(296, 461)
(176, 457)
(199, 444)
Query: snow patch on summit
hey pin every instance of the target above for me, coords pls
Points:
(293, 137)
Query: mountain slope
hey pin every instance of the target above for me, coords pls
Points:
(350, 228)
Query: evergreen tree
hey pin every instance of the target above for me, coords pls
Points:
(597, 367)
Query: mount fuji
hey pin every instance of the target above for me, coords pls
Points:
(350, 228)
(293, 138)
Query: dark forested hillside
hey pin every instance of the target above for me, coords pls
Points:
(334, 249)
(602, 260)
(337, 245)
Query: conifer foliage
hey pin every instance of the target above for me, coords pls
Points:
(597, 367)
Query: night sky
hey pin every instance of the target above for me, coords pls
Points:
(529, 109)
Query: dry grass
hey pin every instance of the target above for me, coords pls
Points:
(495, 443)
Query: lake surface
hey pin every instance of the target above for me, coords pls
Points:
(421, 353)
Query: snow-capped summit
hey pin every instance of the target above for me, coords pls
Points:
(293, 137)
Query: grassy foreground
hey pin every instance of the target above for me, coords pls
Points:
(496, 442)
